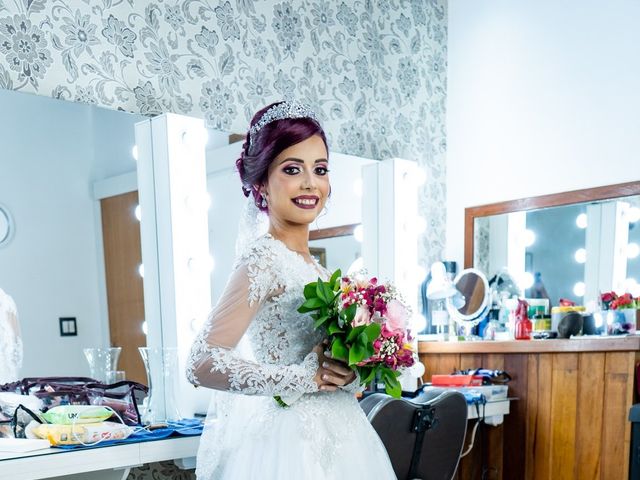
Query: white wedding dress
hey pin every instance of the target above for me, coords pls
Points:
(321, 435)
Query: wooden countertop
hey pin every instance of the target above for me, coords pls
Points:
(591, 344)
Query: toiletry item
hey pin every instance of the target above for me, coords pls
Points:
(557, 313)
(523, 324)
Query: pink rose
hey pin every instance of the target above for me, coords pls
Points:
(397, 316)
(362, 317)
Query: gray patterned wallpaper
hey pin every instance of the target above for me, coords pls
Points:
(375, 70)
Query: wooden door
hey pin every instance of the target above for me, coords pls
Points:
(122, 257)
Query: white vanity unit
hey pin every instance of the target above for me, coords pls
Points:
(100, 463)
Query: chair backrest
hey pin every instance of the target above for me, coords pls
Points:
(394, 421)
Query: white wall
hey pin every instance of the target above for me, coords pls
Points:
(51, 152)
(542, 98)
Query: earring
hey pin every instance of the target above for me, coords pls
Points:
(263, 202)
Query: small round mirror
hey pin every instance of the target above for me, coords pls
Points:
(474, 288)
(6, 226)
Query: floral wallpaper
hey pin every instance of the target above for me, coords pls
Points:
(374, 70)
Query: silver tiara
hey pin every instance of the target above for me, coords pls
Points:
(290, 109)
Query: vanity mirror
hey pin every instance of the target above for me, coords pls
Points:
(570, 245)
(53, 153)
(471, 309)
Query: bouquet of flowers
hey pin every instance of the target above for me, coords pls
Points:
(611, 301)
(367, 326)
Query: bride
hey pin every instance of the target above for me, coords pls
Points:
(316, 429)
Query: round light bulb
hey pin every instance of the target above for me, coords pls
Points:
(581, 220)
(195, 138)
(420, 225)
(138, 213)
(134, 152)
(418, 322)
(420, 273)
(358, 233)
(633, 214)
(581, 255)
(356, 266)
(145, 329)
(357, 187)
(198, 201)
(529, 238)
(141, 270)
(526, 280)
(633, 250)
(579, 289)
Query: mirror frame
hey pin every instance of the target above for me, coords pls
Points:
(341, 231)
(607, 192)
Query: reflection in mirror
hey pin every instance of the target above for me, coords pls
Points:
(337, 248)
(55, 156)
(571, 251)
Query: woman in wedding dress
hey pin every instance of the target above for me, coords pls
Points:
(317, 429)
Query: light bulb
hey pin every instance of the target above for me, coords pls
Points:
(633, 250)
(134, 152)
(198, 201)
(526, 280)
(141, 270)
(579, 289)
(358, 233)
(145, 329)
(418, 322)
(420, 224)
(195, 138)
(529, 237)
(205, 263)
(138, 213)
(420, 273)
(357, 187)
(581, 255)
(581, 220)
(633, 214)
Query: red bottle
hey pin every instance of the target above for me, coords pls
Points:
(523, 324)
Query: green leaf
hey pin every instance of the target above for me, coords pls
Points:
(391, 383)
(356, 353)
(372, 331)
(334, 328)
(311, 305)
(349, 312)
(310, 290)
(320, 321)
(367, 374)
(353, 334)
(320, 292)
(328, 292)
(362, 339)
(333, 282)
(339, 351)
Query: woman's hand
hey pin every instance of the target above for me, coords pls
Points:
(331, 374)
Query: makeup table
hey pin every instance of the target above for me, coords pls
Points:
(101, 463)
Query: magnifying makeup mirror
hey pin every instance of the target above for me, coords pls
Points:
(6, 226)
(474, 287)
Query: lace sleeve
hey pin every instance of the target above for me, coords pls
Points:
(214, 362)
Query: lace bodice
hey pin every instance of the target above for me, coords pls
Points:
(260, 301)
(10, 340)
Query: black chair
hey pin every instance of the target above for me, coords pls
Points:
(424, 436)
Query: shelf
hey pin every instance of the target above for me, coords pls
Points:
(591, 344)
